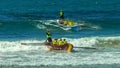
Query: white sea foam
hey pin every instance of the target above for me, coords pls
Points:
(12, 52)
(39, 26)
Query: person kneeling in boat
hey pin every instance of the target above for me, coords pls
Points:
(55, 42)
(60, 43)
(64, 42)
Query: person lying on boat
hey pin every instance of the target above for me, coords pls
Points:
(48, 36)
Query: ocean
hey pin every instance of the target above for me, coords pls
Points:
(26, 21)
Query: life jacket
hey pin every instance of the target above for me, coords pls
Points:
(48, 35)
(64, 42)
(61, 13)
(66, 22)
(60, 43)
(71, 23)
(55, 42)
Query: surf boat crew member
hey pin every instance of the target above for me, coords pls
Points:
(60, 42)
(55, 42)
(64, 41)
(61, 14)
(61, 17)
(48, 36)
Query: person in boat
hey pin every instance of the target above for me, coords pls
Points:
(55, 42)
(61, 17)
(60, 42)
(48, 36)
(61, 14)
(71, 23)
(66, 22)
(64, 41)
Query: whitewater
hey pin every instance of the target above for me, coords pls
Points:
(13, 53)
(25, 21)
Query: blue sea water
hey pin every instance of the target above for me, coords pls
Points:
(27, 20)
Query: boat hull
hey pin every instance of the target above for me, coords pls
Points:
(73, 28)
(68, 47)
